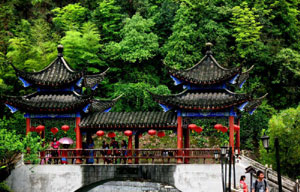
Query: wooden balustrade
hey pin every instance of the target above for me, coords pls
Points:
(121, 156)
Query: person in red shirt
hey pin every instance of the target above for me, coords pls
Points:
(243, 183)
(55, 146)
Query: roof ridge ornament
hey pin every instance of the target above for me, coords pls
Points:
(208, 48)
(60, 49)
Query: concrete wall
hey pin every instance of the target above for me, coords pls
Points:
(48, 178)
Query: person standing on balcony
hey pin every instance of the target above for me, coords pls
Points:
(55, 146)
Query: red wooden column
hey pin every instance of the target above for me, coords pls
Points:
(238, 138)
(231, 132)
(27, 125)
(78, 139)
(130, 149)
(186, 144)
(179, 138)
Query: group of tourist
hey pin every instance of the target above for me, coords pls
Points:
(259, 185)
(111, 152)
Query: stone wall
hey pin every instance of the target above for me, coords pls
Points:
(48, 178)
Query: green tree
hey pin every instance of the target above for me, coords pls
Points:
(70, 17)
(246, 28)
(138, 41)
(286, 127)
(81, 48)
(108, 17)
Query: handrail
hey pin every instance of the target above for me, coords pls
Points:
(129, 156)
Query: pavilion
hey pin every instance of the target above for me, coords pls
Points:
(59, 95)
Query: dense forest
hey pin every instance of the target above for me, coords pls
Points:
(136, 38)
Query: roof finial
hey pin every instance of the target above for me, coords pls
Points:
(60, 49)
(208, 48)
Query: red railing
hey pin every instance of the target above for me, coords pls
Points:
(125, 156)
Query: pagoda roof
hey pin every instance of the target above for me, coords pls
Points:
(206, 72)
(45, 102)
(59, 74)
(130, 120)
(100, 105)
(207, 100)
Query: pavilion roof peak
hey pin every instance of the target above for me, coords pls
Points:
(59, 74)
(206, 72)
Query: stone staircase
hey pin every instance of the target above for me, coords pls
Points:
(288, 184)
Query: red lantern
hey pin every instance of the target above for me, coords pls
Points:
(192, 126)
(128, 133)
(151, 132)
(161, 134)
(111, 134)
(100, 133)
(32, 129)
(65, 128)
(40, 128)
(54, 130)
(198, 129)
(236, 128)
(218, 127)
(224, 129)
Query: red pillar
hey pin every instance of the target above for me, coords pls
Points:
(231, 132)
(136, 147)
(179, 138)
(187, 144)
(130, 149)
(78, 139)
(238, 138)
(27, 125)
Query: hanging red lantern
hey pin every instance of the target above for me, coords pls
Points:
(198, 129)
(40, 128)
(151, 132)
(224, 129)
(54, 130)
(218, 126)
(100, 133)
(32, 129)
(111, 134)
(128, 133)
(65, 128)
(161, 134)
(236, 128)
(192, 126)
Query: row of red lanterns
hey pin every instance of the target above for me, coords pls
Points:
(54, 130)
(128, 133)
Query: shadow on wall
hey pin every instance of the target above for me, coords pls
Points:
(127, 185)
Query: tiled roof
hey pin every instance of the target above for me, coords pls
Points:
(90, 80)
(205, 100)
(130, 120)
(206, 72)
(44, 102)
(102, 105)
(59, 75)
